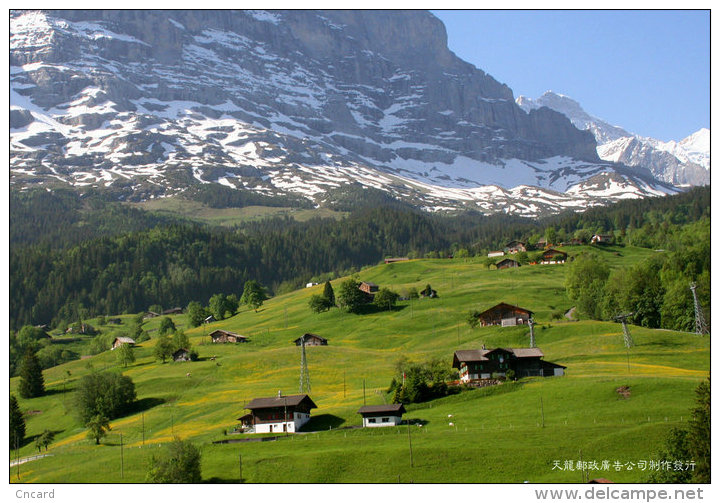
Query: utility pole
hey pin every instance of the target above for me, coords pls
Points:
(344, 372)
(364, 391)
(304, 372)
(410, 445)
(700, 325)
(143, 428)
(122, 462)
(622, 318)
(531, 322)
(240, 466)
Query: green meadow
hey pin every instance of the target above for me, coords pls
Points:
(514, 432)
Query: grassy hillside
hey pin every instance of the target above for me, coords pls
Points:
(510, 433)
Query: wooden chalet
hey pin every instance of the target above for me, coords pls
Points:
(114, 321)
(381, 415)
(311, 340)
(475, 364)
(553, 256)
(604, 239)
(224, 336)
(496, 253)
(396, 259)
(181, 355)
(81, 329)
(368, 287)
(507, 264)
(174, 310)
(514, 247)
(119, 341)
(150, 314)
(209, 319)
(505, 315)
(277, 414)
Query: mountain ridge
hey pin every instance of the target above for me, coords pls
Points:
(285, 102)
(684, 162)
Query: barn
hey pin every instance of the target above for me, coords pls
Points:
(507, 264)
(514, 247)
(277, 414)
(181, 355)
(119, 341)
(311, 340)
(381, 415)
(505, 315)
(224, 336)
(553, 256)
(475, 364)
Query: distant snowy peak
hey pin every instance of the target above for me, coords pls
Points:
(602, 130)
(686, 162)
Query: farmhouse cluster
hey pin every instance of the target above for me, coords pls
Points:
(288, 413)
(548, 256)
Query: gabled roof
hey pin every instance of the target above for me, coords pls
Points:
(124, 340)
(527, 352)
(504, 304)
(226, 332)
(280, 401)
(481, 355)
(307, 336)
(374, 409)
(369, 283)
(553, 251)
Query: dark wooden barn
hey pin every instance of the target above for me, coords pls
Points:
(504, 314)
(224, 336)
(476, 364)
(311, 340)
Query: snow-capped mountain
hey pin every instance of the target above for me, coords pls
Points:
(686, 162)
(147, 103)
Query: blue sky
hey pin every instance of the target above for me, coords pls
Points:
(647, 71)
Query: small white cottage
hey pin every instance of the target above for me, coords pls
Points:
(381, 415)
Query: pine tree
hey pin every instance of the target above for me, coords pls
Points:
(329, 293)
(31, 383)
(698, 437)
(17, 423)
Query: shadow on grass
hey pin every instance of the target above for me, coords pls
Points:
(31, 439)
(145, 404)
(373, 309)
(322, 422)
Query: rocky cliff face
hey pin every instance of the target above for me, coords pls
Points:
(275, 101)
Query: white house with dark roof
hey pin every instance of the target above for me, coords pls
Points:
(278, 414)
(381, 415)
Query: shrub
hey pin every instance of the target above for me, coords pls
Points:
(104, 393)
(178, 464)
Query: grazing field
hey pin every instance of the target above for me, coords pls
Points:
(514, 432)
(198, 212)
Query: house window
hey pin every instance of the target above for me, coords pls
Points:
(386, 420)
(371, 420)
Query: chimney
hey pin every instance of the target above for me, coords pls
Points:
(279, 394)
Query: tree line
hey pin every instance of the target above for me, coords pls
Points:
(174, 262)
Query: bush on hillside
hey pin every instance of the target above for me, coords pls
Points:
(106, 394)
(179, 463)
